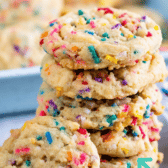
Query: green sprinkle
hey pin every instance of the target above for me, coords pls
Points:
(94, 54)
(88, 21)
(105, 35)
(110, 119)
(56, 123)
(64, 52)
(144, 62)
(122, 34)
(135, 52)
(135, 37)
(28, 163)
(103, 39)
(80, 12)
(101, 128)
(62, 128)
(39, 137)
(128, 165)
(125, 131)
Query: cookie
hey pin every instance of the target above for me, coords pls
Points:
(100, 114)
(104, 83)
(131, 162)
(101, 38)
(19, 45)
(49, 142)
(14, 11)
(129, 142)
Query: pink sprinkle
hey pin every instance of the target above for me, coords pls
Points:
(92, 24)
(54, 31)
(124, 22)
(42, 113)
(53, 21)
(73, 32)
(82, 131)
(122, 15)
(22, 150)
(148, 122)
(81, 143)
(134, 120)
(82, 158)
(59, 26)
(136, 61)
(49, 42)
(142, 132)
(126, 108)
(63, 46)
(76, 161)
(149, 34)
(152, 139)
(155, 129)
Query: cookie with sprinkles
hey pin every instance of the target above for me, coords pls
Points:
(19, 45)
(14, 11)
(104, 83)
(100, 114)
(131, 162)
(49, 142)
(129, 142)
(101, 38)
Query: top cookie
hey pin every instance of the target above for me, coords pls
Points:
(101, 38)
(49, 143)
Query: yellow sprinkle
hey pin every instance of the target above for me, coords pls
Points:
(130, 36)
(64, 24)
(75, 48)
(111, 59)
(125, 150)
(156, 27)
(114, 17)
(125, 139)
(59, 91)
(33, 141)
(154, 150)
(46, 65)
(81, 21)
(103, 24)
(24, 126)
(138, 115)
(45, 34)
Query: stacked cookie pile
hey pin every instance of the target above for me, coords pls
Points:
(100, 71)
(99, 76)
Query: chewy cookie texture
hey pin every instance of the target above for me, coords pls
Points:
(98, 97)
(49, 142)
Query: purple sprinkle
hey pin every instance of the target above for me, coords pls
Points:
(81, 91)
(51, 102)
(118, 25)
(17, 49)
(124, 82)
(144, 17)
(77, 117)
(87, 90)
(98, 80)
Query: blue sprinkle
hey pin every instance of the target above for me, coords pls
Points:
(135, 37)
(83, 98)
(62, 128)
(41, 92)
(28, 163)
(49, 138)
(114, 105)
(39, 137)
(110, 119)
(164, 91)
(45, 50)
(134, 133)
(52, 24)
(101, 128)
(147, 114)
(88, 21)
(105, 35)
(148, 107)
(94, 54)
(103, 39)
(56, 113)
(89, 32)
(94, 18)
(128, 165)
(64, 52)
(80, 12)
(125, 131)
(135, 52)
(144, 62)
(122, 34)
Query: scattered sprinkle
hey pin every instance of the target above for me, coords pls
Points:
(125, 150)
(142, 132)
(128, 165)
(103, 39)
(94, 54)
(122, 34)
(105, 35)
(45, 34)
(106, 10)
(135, 52)
(42, 113)
(89, 32)
(39, 137)
(80, 12)
(110, 119)
(135, 134)
(69, 156)
(28, 163)
(92, 24)
(125, 131)
(81, 143)
(156, 27)
(149, 34)
(134, 121)
(74, 48)
(114, 105)
(111, 59)
(83, 98)
(82, 131)
(62, 128)
(124, 82)
(22, 151)
(117, 26)
(98, 80)
(49, 138)
(107, 137)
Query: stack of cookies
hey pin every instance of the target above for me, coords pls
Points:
(100, 71)
(98, 97)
